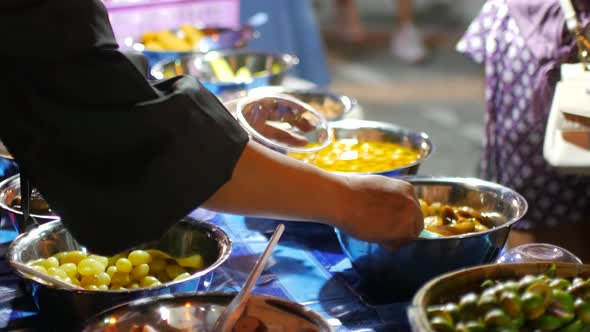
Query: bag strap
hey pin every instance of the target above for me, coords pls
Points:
(571, 19)
(574, 26)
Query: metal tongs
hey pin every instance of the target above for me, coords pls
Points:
(25, 194)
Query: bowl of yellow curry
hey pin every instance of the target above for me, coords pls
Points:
(371, 147)
(471, 220)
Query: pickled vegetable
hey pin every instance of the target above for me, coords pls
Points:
(129, 270)
(351, 155)
(448, 220)
(534, 303)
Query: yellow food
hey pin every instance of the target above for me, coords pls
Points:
(360, 156)
(329, 108)
(222, 70)
(448, 220)
(191, 34)
(187, 38)
(129, 270)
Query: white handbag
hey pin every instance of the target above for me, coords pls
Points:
(567, 136)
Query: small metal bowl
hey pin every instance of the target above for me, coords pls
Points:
(451, 286)
(61, 307)
(9, 191)
(198, 312)
(382, 131)
(333, 106)
(199, 66)
(402, 272)
(216, 38)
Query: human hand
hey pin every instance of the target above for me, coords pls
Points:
(381, 209)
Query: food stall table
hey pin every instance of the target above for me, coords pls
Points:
(307, 267)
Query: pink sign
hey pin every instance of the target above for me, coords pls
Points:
(132, 18)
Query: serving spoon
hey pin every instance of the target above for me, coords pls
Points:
(232, 313)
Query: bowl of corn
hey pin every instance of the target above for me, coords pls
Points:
(229, 70)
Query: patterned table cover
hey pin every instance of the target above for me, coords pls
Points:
(307, 267)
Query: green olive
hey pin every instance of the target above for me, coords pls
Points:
(560, 283)
(526, 281)
(496, 318)
(532, 305)
(486, 302)
(439, 311)
(468, 305)
(543, 289)
(551, 271)
(471, 326)
(581, 290)
(440, 324)
(575, 326)
(562, 305)
(487, 283)
(548, 322)
(510, 285)
(582, 308)
(511, 303)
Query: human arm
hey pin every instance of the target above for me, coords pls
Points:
(268, 184)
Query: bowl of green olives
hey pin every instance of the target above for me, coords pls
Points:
(505, 297)
(181, 261)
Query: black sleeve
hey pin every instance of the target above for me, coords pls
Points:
(118, 158)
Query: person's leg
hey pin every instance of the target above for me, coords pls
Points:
(348, 20)
(407, 43)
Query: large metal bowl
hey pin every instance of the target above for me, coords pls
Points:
(199, 66)
(451, 286)
(9, 190)
(401, 273)
(364, 130)
(61, 307)
(215, 38)
(198, 312)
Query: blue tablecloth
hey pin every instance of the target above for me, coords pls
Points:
(307, 266)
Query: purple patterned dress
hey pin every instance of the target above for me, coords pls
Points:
(522, 43)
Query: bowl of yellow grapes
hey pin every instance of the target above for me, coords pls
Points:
(371, 147)
(181, 261)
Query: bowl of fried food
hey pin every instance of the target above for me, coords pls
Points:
(467, 220)
(229, 70)
(531, 296)
(182, 260)
(198, 312)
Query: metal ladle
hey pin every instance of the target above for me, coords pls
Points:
(235, 309)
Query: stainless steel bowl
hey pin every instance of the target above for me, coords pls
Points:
(401, 273)
(364, 130)
(198, 312)
(333, 106)
(451, 286)
(62, 307)
(216, 38)
(200, 66)
(9, 190)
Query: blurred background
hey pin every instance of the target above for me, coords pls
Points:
(442, 96)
